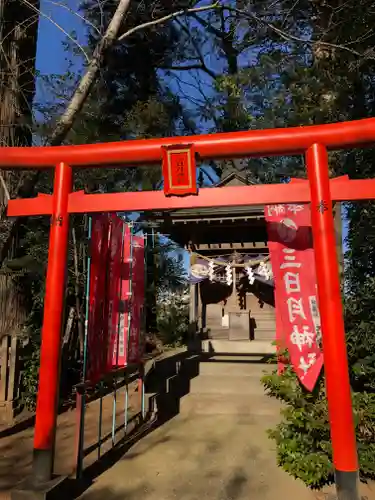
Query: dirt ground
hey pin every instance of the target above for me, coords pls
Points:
(16, 449)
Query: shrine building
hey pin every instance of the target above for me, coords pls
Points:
(230, 314)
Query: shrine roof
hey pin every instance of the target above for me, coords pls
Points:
(234, 178)
(216, 213)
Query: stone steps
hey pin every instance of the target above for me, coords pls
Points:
(231, 367)
(264, 334)
(254, 406)
(227, 384)
(231, 386)
(219, 334)
(222, 384)
(245, 347)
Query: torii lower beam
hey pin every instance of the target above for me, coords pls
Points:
(342, 189)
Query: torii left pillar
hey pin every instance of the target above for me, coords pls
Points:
(41, 482)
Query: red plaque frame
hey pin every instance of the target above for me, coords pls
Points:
(179, 170)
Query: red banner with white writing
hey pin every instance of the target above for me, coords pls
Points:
(120, 345)
(116, 296)
(137, 301)
(113, 290)
(293, 264)
(97, 333)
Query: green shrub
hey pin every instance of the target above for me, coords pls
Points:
(30, 375)
(173, 317)
(303, 439)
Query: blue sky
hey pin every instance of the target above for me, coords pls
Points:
(50, 53)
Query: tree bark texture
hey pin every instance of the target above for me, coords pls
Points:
(18, 34)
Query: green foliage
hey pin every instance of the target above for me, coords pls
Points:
(173, 317)
(166, 297)
(302, 438)
(30, 374)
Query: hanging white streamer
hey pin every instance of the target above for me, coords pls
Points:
(211, 270)
(228, 274)
(250, 275)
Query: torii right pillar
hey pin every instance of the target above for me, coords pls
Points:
(332, 322)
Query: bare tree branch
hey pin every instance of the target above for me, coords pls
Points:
(289, 37)
(198, 51)
(74, 13)
(161, 20)
(81, 93)
(5, 189)
(208, 26)
(42, 14)
(188, 67)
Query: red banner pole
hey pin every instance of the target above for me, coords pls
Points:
(49, 373)
(331, 311)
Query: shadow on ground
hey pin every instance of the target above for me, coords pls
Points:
(167, 382)
(108, 494)
(232, 490)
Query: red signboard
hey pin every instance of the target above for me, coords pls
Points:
(137, 300)
(120, 348)
(97, 334)
(132, 293)
(179, 170)
(293, 264)
(116, 301)
(113, 288)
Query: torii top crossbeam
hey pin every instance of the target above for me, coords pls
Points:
(236, 144)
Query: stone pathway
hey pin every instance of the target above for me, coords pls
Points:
(221, 458)
(216, 448)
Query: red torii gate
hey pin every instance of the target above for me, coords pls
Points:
(313, 141)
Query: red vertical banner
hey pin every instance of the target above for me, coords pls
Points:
(113, 289)
(97, 333)
(120, 340)
(127, 343)
(292, 258)
(137, 300)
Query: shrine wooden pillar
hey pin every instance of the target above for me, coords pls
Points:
(193, 305)
(193, 310)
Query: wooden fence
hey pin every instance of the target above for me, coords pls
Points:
(9, 378)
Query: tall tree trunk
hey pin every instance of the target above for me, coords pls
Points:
(18, 32)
